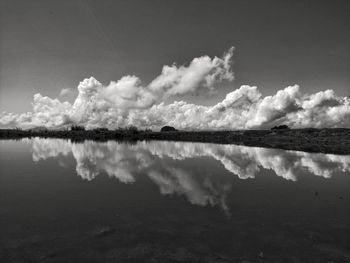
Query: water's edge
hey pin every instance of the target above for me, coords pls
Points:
(336, 141)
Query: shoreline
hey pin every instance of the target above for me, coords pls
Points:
(333, 141)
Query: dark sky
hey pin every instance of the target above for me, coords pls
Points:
(48, 45)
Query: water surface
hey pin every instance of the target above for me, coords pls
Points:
(171, 202)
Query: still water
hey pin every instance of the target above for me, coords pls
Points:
(171, 202)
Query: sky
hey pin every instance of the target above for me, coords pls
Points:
(50, 46)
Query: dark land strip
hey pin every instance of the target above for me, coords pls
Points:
(336, 140)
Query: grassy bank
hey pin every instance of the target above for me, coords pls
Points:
(335, 141)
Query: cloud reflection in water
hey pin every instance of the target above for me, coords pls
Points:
(160, 161)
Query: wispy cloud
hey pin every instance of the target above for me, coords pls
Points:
(66, 91)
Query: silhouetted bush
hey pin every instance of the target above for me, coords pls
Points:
(167, 129)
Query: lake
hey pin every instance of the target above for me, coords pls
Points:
(164, 201)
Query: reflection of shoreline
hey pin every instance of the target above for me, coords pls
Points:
(327, 140)
(125, 162)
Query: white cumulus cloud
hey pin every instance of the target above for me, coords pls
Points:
(129, 101)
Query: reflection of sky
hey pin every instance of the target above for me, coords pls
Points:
(161, 162)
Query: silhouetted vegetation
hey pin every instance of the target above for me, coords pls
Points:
(167, 129)
(132, 129)
(312, 140)
(77, 128)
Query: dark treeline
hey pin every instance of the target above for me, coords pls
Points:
(335, 140)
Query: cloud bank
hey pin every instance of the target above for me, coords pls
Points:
(162, 163)
(129, 101)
